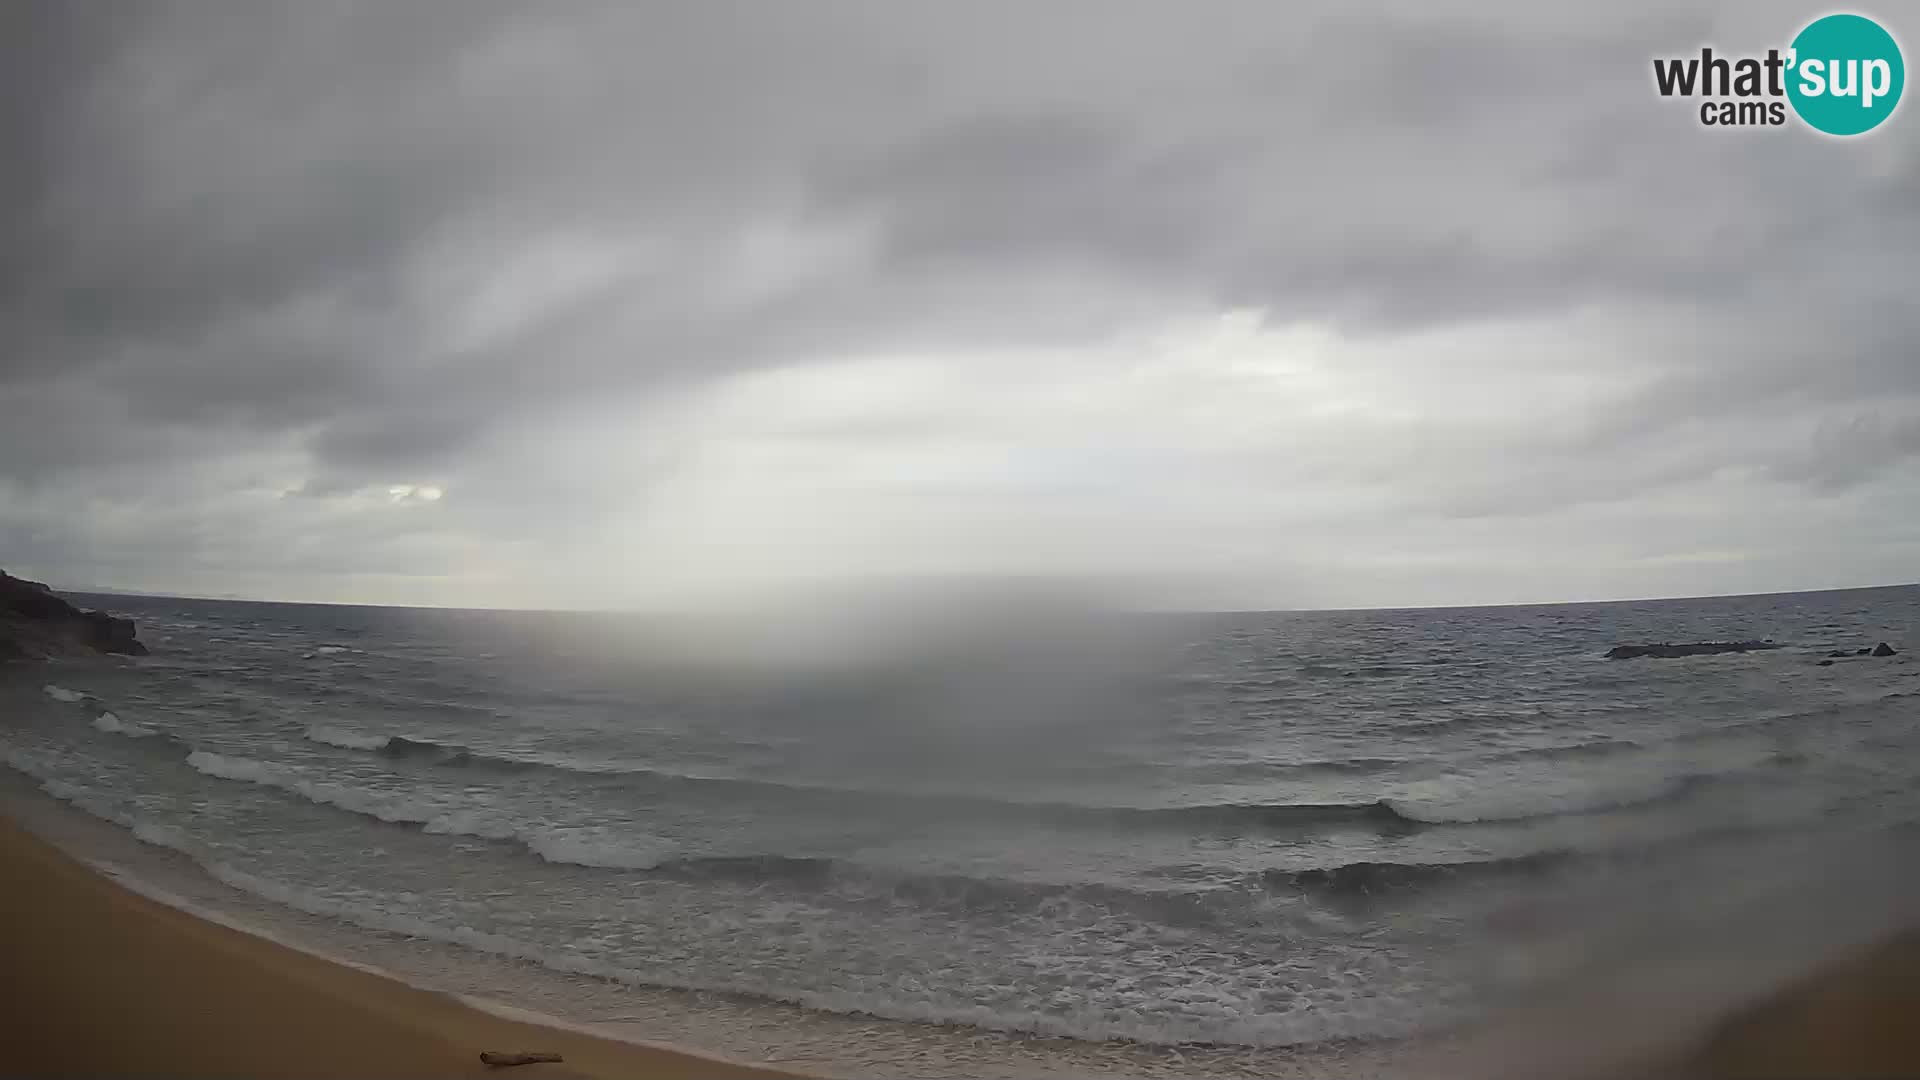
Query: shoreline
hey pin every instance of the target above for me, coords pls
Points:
(142, 963)
(122, 983)
(764, 1035)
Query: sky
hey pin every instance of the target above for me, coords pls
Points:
(1225, 305)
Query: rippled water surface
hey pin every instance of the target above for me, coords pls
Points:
(1254, 828)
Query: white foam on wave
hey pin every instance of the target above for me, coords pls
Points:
(599, 848)
(392, 808)
(76, 796)
(570, 763)
(477, 823)
(346, 740)
(373, 804)
(112, 724)
(61, 693)
(1201, 1020)
(94, 804)
(233, 768)
(1227, 1026)
(590, 766)
(582, 847)
(1444, 802)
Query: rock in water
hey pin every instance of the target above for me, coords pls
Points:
(108, 634)
(1668, 650)
(1884, 649)
(35, 624)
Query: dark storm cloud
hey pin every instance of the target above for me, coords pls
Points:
(281, 229)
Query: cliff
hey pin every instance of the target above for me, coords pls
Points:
(36, 624)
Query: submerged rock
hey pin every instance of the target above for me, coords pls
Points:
(35, 624)
(1882, 649)
(1668, 650)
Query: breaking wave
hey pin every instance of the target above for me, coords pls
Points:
(609, 849)
(394, 808)
(1522, 805)
(1254, 1029)
(1279, 814)
(112, 724)
(1390, 812)
(346, 740)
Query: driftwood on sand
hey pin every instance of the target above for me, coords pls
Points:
(504, 1060)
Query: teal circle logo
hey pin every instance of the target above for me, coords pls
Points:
(1845, 74)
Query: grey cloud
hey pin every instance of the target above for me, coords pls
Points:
(251, 228)
(1845, 453)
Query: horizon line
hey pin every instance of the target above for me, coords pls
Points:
(1141, 610)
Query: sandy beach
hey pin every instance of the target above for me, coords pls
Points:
(1855, 1019)
(116, 984)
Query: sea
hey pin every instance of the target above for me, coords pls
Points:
(1263, 829)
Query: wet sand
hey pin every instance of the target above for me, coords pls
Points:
(1860, 1017)
(106, 982)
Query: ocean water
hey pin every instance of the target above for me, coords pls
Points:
(1265, 829)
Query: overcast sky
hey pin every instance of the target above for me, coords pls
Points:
(647, 304)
